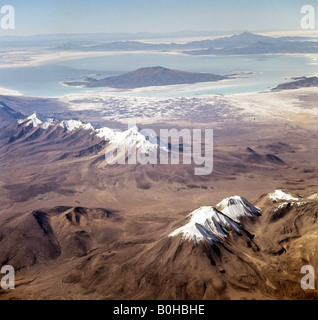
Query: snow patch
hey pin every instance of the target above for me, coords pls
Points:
(71, 125)
(105, 133)
(49, 122)
(280, 195)
(134, 137)
(301, 203)
(88, 126)
(281, 206)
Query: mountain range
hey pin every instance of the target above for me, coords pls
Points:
(76, 228)
(245, 43)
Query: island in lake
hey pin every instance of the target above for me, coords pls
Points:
(149, 77)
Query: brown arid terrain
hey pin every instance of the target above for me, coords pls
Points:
(74, 227)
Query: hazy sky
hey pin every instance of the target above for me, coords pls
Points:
(83, 16)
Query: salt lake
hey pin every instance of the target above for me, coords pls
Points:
(254, 73)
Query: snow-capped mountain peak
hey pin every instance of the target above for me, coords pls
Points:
(106, 133)
(31, 120)
(133, 137)
(238, 207)
(207, 223)
(71, 125)
(35, 121)
(214, 223)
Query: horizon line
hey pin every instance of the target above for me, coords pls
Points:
(204, 32)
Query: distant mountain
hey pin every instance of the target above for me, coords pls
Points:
(244, 43)
(30, 128)
(98, 37)
(147, 77)
(119, 46)
(240, 40)
(261, 47)
(299, 83)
